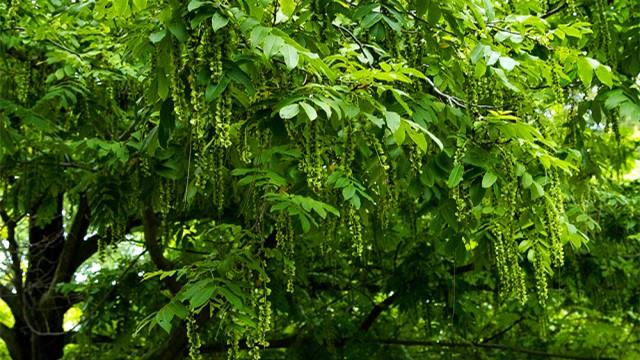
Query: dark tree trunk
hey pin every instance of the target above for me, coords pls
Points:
(38, 309)
(49, 346)
(34, 346)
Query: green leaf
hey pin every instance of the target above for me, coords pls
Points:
(178, 30)
(570, 31)
(156, 37)
(348, 192)
(456, 176)
(139, 5)
(435, 13)
(259, 35)
(150, 142)
(400, 134)
(393, 121)
(605, 75)
(480, 70)
(218, 21)
(418, 139)
(304, 223)
(215, 90)
(508, 63)
(290, 55)
(489, 11)
(527, 180)
(435, 139)
(167, 122)
(585, 71)
(488, 179)
(178, 309)
(421, 7)
(479, 52)
(309, 110)
(164, 317)
(323, 105)
(232, 298)
(615, 98)
(272, 45)
(202, 296)
(121, 8)
(238, 76)
(537, 190)
(371, 20)
(289, 111)
(195, 4)
(355, 201)
(287, 7)
(163, 85)
(505, 80)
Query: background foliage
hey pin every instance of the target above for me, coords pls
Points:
(349, 179)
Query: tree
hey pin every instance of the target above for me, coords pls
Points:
(348, 178)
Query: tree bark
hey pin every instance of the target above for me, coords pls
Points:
(37, 307)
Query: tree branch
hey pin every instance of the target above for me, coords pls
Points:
(291, 341)
(376, 311)
(355, 38)
(150, 226)
(554, 11)
(503, 331)
(65, 266)
(502, 347)
(89, 247)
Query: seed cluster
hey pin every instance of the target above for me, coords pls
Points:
(555, 208)
(285, 243)
(602, 28)
(193, 338)
(312, 164)
(456, 193)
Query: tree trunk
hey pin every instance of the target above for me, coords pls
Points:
(39, 310)
(30, 345)
(49, 346)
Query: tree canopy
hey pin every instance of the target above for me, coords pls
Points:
(386, 179)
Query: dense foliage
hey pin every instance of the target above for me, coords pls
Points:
(319, 178)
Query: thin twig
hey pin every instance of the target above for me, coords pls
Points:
(503, 331)
(453, 100)
(554, 11)
(355, 38)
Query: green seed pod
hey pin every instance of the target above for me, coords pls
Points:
(541, 278)
(193, 338)
(355, 230)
